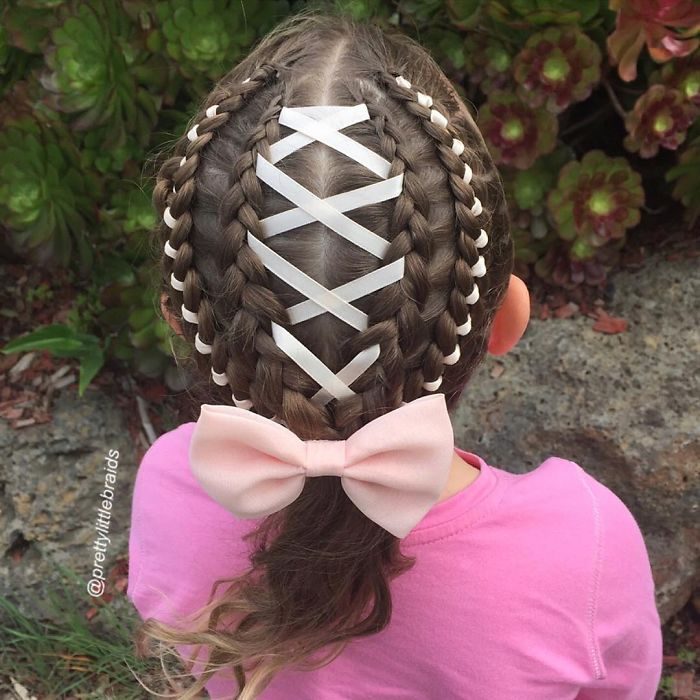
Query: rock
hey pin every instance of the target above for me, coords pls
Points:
(51, 478)
(625, 407)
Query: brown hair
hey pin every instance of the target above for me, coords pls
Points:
(320, 570)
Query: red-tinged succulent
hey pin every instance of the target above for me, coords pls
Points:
(560, 267)
(661, 117)
(515, 133)
(667, 27)
(596, 200)
(557, 67)
(487, 62)
(683, 74)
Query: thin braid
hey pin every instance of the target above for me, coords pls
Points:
(455, 321)
(404, 300)
(172, 198)
(258, 368)
(244, 276)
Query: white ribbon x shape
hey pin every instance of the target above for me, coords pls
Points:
(323, 123)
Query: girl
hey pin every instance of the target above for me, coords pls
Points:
(335, 246)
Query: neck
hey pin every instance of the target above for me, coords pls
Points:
(462, 474)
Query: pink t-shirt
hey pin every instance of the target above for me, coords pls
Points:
(529, 586)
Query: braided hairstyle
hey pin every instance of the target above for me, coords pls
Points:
(319, 569)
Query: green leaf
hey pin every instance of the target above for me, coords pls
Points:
(91, 363)
(54, 338)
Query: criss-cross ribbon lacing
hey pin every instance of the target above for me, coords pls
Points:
(323, 124)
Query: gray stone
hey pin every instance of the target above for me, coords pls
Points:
(625, 407)
(51, 478)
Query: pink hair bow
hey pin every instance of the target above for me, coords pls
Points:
(393, 468)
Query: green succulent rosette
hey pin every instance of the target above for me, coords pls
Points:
(660, 118)
(46, 200)
(90, 71)
(557, 67)
(528, 189)
(515, 133)
(682, 74)
(487, 62)
(596, 200)
(207, 36)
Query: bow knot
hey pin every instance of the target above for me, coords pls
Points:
(393, 469)
(325, 457)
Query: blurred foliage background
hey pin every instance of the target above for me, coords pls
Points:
(588, 106)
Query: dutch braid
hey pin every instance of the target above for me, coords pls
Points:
(410, 237)
(186, 285)
(256, 357)
(455, 321)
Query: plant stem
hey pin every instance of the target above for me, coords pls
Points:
(585, 122)
(613, 99)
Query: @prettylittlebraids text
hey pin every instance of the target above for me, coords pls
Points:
(96, 584)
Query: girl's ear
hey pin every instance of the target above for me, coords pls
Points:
(511, 319)
(168, 316)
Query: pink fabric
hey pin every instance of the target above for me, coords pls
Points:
(533, 586)
(253, 466)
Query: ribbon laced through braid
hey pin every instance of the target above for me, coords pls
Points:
(408, 249)
(410, 239)
(323, 123)
(184, 277)
(456, 320)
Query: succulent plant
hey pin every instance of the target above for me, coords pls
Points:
(683, 74)
(108, 151)
(667, 27)
(46, 200)
(532, 233)
(661, 117)
(27, 27)
(487, 62)
(560, 266)
(139, 335)
(90, 72)
(126, 221)
(556, 67)
(515, 133)
(526, 13)
(464, 14)
(224, 29)
(686, 175)
(595, 201)
(527, 189)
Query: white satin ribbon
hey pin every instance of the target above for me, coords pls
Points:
(333, 385)
(323, 123)
(320, 131)
(319, 209)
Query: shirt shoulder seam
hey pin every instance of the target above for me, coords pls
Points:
(593, 646)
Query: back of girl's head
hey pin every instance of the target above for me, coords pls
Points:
(320, 568)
